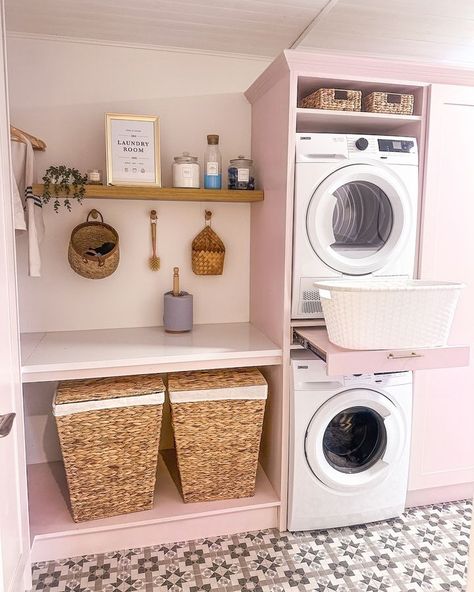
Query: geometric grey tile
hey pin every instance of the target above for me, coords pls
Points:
(425, 550)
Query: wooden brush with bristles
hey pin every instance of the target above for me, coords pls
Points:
(154, 261)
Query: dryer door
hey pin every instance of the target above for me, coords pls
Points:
(353, 439)
(359, 218)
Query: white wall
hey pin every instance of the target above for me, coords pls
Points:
(60, 91)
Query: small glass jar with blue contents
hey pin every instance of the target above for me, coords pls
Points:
(241, 175)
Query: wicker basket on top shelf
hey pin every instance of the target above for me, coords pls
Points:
(333, 98)
(395, 103)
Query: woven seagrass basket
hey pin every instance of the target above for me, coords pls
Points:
(217, 418)
(382, 102)
(109, 430)
(90, 235)
(333, 98)
(208, 251)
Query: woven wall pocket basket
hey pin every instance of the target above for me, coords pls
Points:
(333, 98)
(94, 248)
(395, 103)
(208, 251)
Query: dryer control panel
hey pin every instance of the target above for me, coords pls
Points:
(316, 147)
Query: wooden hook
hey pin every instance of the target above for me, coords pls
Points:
(208, 216)
(153, 215)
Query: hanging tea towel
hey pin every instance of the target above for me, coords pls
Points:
(23, 168)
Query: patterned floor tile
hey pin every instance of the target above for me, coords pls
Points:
(425, 550)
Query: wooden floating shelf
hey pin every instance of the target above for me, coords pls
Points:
(165, 193)
(325, 120)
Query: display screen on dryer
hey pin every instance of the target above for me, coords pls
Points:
(407, 146)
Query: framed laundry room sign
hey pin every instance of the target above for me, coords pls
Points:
(132, 149)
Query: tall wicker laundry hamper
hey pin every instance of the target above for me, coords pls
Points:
(109, 430)
(217, 418)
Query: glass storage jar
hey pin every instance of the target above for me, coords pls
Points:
(241, 175)
(186, 171)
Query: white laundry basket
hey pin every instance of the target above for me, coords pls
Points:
(388, 313)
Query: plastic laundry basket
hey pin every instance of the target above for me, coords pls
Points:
(388, 313)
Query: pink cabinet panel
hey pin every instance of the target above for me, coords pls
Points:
(348, 361)
(443, 432)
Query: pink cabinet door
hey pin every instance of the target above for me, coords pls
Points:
(443, 420)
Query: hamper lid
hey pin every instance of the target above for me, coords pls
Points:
(208, 385)
(98, 389)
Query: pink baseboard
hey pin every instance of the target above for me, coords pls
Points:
(422, 497)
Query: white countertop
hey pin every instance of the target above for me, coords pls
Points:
(116, 352)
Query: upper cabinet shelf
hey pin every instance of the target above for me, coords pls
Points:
(323, 120)
(166, 193)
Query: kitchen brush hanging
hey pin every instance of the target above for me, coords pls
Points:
(208, 251)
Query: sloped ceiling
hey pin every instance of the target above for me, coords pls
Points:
(259, 27)
(438, 30)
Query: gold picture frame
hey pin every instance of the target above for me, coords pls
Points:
(133, 150)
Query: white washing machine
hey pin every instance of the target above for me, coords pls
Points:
(355, 211)
(349, 445)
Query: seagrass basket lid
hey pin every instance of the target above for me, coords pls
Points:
(208, 251)
(215, 379)
(96, 389)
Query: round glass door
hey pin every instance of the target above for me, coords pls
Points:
(358, 218)
(353, 438)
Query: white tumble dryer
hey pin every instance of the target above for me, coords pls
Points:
(355, 211)
(349, 445)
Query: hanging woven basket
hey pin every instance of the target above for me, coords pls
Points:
(94, 248)
(208, 251)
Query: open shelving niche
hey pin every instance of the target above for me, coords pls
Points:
(355, 122)
(48, 357)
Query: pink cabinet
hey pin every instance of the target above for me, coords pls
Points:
(443, 421)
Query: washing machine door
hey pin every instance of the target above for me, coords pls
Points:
(359, 218)
(354, 438)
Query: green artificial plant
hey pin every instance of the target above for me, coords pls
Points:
(63, 181)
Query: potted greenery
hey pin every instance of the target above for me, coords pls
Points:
(63, 181)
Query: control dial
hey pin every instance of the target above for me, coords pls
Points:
(361, 143)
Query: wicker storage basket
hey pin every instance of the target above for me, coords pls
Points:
(333, 98)
(382, 102)
(208, 251)
(388, 313)
(217, 420)
(109, 430)
(91, 235)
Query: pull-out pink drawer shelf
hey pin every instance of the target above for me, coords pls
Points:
(347, 361)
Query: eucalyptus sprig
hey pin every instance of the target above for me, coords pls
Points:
(63, 181)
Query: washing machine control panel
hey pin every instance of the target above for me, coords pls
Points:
(378, 379)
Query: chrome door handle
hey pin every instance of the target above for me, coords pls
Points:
(6, 422)
(403, 356)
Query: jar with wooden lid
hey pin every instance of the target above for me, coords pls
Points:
(186, 171)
